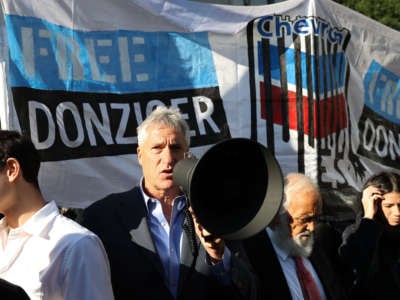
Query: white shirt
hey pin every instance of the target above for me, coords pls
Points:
(289, 270)
(52, 257)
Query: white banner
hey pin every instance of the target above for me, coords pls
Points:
(314, 81)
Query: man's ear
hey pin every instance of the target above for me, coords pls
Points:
(139, 154)
(13, 169)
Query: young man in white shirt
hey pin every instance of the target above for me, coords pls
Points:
(48, 255)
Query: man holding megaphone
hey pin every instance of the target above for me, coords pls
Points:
(156, 246)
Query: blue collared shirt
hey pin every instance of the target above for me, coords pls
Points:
(168, 237)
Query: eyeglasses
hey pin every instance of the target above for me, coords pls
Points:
(305, 220)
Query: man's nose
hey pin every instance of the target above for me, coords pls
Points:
(168, 156)
(311, 225)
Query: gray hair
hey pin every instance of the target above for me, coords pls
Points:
(169, 116)
(296, 182)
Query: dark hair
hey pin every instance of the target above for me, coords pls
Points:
(387, 182)
(14, 144)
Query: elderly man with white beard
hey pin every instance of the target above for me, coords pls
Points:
(289, 259)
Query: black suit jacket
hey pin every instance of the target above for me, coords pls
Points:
(10, 291)
(272, 280)
(373, 253)
(120, 220)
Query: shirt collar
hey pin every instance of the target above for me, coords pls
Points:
(149, 202)
(38, 222)
(282, 253)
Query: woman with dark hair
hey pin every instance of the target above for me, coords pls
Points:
(371, 246)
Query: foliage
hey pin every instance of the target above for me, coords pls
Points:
(384, 11)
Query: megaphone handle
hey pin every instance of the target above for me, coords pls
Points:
(188, 226)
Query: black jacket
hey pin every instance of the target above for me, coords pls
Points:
(374, 255)
(9, 291)
(324, 259)
(136, 269)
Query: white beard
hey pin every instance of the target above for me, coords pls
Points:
(300, 245)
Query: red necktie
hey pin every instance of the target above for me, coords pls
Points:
(308, 285)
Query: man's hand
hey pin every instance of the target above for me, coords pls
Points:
(214, 245)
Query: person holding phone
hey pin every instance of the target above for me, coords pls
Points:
(371, 246)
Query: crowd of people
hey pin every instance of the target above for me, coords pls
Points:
(146, 243)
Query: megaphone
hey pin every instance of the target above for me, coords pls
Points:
(235, 189)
